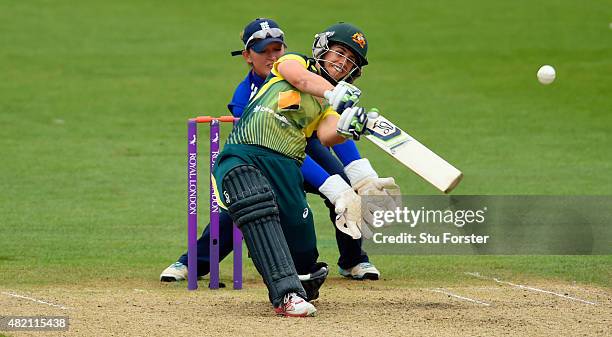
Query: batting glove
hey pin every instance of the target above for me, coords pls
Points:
(347, 205)
(344, 95)
(352, 122)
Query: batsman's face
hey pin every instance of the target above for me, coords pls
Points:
(262, 62)
(339, 61)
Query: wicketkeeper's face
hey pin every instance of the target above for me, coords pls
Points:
(339, 61)
(262, 62)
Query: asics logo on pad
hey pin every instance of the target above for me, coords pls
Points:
(305, 214)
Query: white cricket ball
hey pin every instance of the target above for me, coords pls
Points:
(546, 74)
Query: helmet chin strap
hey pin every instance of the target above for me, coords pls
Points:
(325, 74)
(349, 77)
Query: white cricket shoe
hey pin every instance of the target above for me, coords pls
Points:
(362, 271)
(175, 272)
(295, 306)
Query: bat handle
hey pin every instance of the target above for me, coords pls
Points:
(372, 117)
(348, 105)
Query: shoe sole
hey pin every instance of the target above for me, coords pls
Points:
(284, 314)
(370, 276)
(169, 279)
(366, 276)
(174, 279)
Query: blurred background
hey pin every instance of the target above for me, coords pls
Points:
(94, 99)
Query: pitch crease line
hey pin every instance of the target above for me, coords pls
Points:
(35, 300)
(531, 288)
(442, 291)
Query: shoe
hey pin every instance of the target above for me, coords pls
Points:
(295, 306)
(362, 271)
(175, 272)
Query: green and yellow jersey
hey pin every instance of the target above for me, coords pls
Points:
(280, 117)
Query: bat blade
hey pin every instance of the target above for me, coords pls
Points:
(414, 155)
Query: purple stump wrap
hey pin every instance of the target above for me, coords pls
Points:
(237, 241)
(214, 209)
(192, 209)
(192, 205)
(237, 238)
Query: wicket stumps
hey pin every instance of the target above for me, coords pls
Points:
(192, 207)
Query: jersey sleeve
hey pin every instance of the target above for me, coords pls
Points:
(275, 75)
(289, 56)
(312, 127)
(240, 99)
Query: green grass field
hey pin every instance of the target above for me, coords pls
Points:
(94, 99)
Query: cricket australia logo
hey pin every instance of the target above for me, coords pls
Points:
(193, 141)
(359, 39)
(216, 139)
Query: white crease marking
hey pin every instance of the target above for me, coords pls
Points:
(34, 300)
(531, 288)
(446, 292)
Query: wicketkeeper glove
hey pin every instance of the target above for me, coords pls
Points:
(343, 95)
(347, 205)
(378, 194)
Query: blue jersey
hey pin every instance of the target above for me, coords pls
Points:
(244, 92)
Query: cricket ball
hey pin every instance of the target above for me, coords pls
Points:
(546, 74)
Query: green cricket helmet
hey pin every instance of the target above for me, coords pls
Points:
(347, 35)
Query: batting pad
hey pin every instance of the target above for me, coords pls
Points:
(253, 208)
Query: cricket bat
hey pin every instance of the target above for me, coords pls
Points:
(410, 152)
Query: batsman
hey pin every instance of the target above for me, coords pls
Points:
(257, 175)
